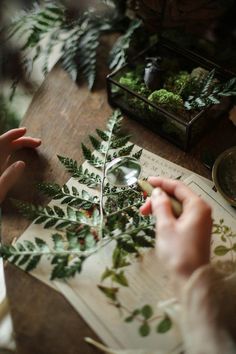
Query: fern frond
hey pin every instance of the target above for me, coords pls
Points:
(83, 176)
(119, 52)
(53, 217)
(209, 92)
(66, 255)
(72, 198)
(86, 222)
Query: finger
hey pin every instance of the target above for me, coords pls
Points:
(161, 207)
(12, 135)
(26, 142)
(146, 208)
(173, 187)
(9, 178)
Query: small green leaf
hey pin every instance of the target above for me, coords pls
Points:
(111, 293)
(106, 274)
(120, 278)
(129, 319)
(86, 152)
(164, 326)
(23, 260)
(32, 263)
(119, 258)
(144, 329)
(138, 154)
(41, 244)
(221, 250)
(60, 213)
(51, 223)
(103, 135)
(96, 143)
(147, 311)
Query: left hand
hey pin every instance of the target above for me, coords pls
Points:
(10, 142)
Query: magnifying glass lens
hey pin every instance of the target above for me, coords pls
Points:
(123, 172)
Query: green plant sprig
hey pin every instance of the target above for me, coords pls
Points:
(209, 92)
(144, 316)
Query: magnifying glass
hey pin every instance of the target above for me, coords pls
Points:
(125, 171)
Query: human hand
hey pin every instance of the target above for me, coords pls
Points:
(9, 142)
(184, 243)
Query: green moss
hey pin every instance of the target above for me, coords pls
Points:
(130, 82)
(133, 80)
(167, 100)
(176, 83)
(199, 73)
(144, 91)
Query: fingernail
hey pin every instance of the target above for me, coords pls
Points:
(19, 164)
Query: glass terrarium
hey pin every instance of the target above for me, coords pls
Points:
(164, 110)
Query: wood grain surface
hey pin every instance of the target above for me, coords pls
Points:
(62, 115)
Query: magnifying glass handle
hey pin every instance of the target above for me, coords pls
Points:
(177, 207)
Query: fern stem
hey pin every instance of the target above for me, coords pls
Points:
(124, 209)
(104, 177)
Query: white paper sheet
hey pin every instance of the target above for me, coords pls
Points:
(148, 282)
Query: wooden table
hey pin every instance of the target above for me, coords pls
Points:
(63, 115)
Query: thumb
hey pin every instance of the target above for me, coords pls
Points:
(9, 178)
(161, 206)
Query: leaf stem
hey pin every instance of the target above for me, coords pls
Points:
(124, 209)
(104, 177)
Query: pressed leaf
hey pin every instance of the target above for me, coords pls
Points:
(165, 325)
(120, 278)
(111, 293)
(106, 274)
(147, 311)
(221, 250)
(144, 329)
(119, 258)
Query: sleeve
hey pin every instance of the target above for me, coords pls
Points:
(206, 312)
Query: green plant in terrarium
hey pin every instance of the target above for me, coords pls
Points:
(166, 99)
(131, 81)
(181, 92)
(176, 82)
(208, 91)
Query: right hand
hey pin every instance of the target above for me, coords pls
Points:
(183, 243)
